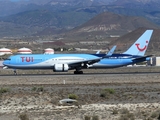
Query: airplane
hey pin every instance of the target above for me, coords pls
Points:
(84, 63)
(65, 62)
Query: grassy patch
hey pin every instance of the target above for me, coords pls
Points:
(73, 96)
(4, 90)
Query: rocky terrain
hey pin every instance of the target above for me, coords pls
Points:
(114, 94)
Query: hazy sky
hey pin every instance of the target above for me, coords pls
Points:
(18, 0)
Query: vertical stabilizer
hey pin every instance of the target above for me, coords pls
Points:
(140, 46)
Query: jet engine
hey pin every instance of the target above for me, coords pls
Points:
(61, 68)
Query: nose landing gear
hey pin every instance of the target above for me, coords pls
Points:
(15, 72)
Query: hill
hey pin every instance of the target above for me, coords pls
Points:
(67, 14)
(107, 24)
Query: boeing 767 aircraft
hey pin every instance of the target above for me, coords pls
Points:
(65, 62)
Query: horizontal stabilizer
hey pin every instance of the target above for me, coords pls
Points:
(142, 58)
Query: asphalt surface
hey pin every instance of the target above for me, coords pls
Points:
(136, 76)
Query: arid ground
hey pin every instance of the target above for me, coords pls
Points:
(128, 93)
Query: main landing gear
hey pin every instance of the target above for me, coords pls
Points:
(78, 72)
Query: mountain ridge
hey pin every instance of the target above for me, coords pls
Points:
(111, 23)
(68, 14)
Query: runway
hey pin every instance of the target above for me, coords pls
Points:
(87, 72)
(87, 78)
(80, 75)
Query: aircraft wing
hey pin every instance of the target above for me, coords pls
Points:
(87, 63)
(141, 58)
(84, 63)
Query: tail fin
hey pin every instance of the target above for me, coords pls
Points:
(140, 46)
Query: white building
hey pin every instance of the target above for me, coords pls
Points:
(49, 51)
(4, 51)
(24, 51)
(155, 61)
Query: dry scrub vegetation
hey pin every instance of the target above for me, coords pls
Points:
(133, 96)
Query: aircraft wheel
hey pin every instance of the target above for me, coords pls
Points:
(78, 72)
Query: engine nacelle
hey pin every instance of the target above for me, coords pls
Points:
(61, 68)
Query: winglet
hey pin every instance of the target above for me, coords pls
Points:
(140, 46)
(111, 51)
(98, 51)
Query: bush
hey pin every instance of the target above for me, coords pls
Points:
(23, 116)
(34, 88)
(158, 117)
(124, 111)
(87, 118)
(126, 115)
(38, 89)
(106, 92)
(129, 116)
(154, 115)
(4, 90)
(115, 111)
(72, 96)
(109, 90)
(95, 118)
(103, 94)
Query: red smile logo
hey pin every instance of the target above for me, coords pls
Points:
(141, 49)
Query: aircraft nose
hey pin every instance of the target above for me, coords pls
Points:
(5, 62)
